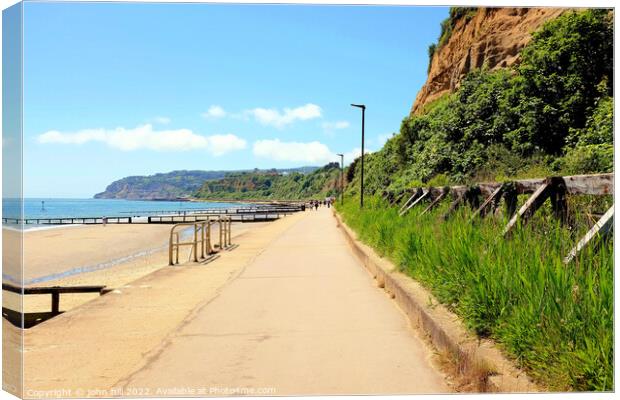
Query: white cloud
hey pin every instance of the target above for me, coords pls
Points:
(313, 153)
(162, 120)
(273, 117)
(331, 126)
(349, 156)
(215, 112)
(145, 137)
(308, 152)
(222, 144)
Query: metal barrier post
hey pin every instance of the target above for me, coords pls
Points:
(202, 240)
(223, 232)
(202, 228)
(229, 231)
(209, 249)
(170, 247)
(178, 247)
(228, 225)
(220, 222)
(195, 244)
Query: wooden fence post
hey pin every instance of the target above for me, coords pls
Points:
(397, 197)
(558, 199)
(490, 204)
(417, 200)
(417, 192)
(531, 205)
(601, 228)
(472, 195)
(456, 203)
(510, 199)
(444, 193)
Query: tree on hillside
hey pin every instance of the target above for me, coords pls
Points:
(566, 68)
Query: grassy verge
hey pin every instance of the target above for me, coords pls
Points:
(555, 321)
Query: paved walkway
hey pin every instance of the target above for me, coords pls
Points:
(290, 311)
(302, 318)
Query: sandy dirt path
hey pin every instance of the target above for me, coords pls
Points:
(303, 318)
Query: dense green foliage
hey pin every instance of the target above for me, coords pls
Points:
(170, 185)
(262, 185)
(593, 149)
(556, 321)
(551, 114)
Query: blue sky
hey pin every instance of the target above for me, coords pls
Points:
(112, 90)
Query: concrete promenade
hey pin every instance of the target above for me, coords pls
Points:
(291, 311)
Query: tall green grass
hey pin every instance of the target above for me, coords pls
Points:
(554, 320)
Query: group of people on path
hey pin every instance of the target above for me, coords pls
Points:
(321, 203)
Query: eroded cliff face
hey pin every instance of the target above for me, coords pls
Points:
(493, 36)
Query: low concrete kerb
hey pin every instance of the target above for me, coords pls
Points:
(478, 362)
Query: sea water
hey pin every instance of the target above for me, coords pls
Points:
(79, 208)
(76, 208)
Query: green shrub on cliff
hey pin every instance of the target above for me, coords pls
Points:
(552, 113)
(431, 52)
(447, 25)
(566, 68)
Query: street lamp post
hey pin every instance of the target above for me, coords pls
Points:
(341, 178)
(363, 107)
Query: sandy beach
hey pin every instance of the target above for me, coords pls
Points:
(113, 256)
(53, 251)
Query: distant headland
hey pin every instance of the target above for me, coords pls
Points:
(180, 185)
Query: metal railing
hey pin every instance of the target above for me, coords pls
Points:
(225, 231)
(201, 244)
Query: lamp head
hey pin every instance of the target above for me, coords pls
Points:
(341, 155)
(362, 106)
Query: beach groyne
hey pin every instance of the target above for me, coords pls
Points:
(238, 214)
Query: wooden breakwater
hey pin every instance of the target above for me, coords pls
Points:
(67, 221)
(237, 214)
(217, 211)
(484, 198)
(28, 320)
